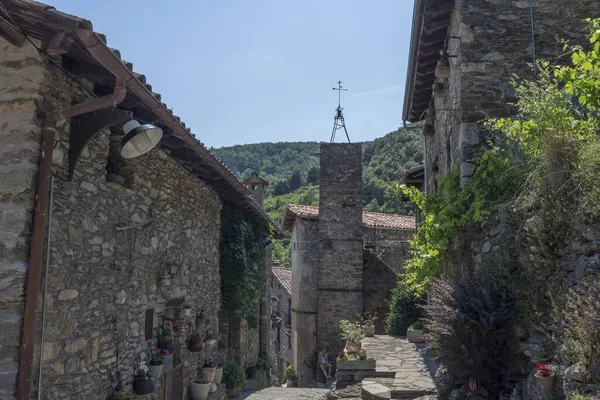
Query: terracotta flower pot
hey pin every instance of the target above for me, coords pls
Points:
(545, 382)
(414, 335)
(155, 370)
(369, 331)
(143, 386)
(199, 391)
(208, 374)
(218, 375)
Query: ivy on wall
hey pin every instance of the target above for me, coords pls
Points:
(242, 264)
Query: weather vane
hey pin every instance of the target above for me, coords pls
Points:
(338, 120)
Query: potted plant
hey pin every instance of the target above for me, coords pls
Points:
(235, 379)
(200, 388)
(196, 341)
(414, 334)
(355, 358)
(544, 377)
(165, 338)
(352, 333)
(157, 361)
(506, 392)
(438, 89)
(290, 379)
(119, 393)
(442, 69)
(368, 324)
(187, 310)
(208, 369)
(142, 384)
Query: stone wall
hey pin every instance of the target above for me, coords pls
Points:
(494, 44)
(379, 280)
(391, 245)
(281, 333)
(97, 271)
(22, 75)
(305, 275)
(340, 283)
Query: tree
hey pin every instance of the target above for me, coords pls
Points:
(295, 180)
(312, 177)
(373, 206)
(281, 188)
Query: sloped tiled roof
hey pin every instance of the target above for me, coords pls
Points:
(284, 276)
(380, 220)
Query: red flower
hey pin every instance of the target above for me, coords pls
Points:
(341, 354)
(544, 370)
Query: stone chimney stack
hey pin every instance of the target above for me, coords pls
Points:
(257, 186)
(340, 287)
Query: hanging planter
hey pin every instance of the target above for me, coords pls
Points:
(195, 346)
(438, 89)
(142, 384)
(157, 361)
(218, 375)
(442, 69)
(196, 342)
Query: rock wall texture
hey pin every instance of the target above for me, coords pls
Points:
(340, 286)
(22, 77)
(379, 280)
(281, 332)
(98, 271)
(492, 41)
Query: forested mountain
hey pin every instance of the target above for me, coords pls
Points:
(293, 170)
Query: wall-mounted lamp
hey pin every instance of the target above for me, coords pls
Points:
(139, 139)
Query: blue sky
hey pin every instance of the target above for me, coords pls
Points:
(248, 71)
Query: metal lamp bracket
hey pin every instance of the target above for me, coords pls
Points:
(85, 126)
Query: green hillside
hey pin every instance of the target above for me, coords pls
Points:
(293, 172)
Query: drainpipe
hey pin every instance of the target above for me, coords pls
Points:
(39, 226)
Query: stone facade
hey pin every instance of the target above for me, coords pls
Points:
(281, 320)
(490, 41)
(109, 249)
(343, 262)
(305, 274)
(340, 285)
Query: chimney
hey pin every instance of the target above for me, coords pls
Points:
(256, 185)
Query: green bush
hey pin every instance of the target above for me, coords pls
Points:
(352, 332)
(289, 375)
(234, 375)
(404, 309)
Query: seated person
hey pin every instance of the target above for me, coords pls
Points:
(324, 363)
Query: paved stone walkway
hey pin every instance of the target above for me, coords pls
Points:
(404, 370)
(278, 393)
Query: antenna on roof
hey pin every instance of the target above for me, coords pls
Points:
(338, 120)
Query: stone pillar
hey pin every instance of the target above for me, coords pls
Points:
(340, 287)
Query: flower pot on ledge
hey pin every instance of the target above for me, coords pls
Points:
(369, 331)
(143, 386)
(155, 369)
(545, 383)
(195, 346)
(414, 335)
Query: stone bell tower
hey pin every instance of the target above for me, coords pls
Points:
(256, 185)
(340, 283)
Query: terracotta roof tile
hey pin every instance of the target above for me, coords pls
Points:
(284, 276)
(392, 221)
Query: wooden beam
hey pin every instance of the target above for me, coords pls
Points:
(59, 44)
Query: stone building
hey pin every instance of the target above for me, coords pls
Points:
(487, 42)
(124, 243)
(281, 318)
(344, 260)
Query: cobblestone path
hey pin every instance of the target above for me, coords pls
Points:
(278, 393)
(406, 370)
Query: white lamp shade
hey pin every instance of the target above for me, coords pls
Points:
(139, 139)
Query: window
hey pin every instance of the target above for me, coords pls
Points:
(149, 325)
